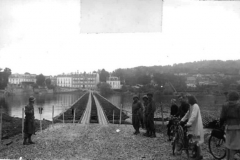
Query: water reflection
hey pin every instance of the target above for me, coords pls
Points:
(59, 101)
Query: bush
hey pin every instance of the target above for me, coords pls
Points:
(105, 88)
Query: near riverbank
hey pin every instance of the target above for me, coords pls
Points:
(96, 142)
(13, 126)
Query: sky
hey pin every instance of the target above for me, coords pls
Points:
(42, 36)
(120, 16)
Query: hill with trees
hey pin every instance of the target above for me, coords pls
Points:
(162, 75)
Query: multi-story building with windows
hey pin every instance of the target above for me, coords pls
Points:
(79, 80)
(114, 82)
(20, 78)
(53, 80)
(64, 81)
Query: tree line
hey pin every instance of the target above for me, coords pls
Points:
(159, 77)
(4, 77)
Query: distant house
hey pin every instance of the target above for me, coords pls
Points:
(180, 74)
(78, 80)
(64, 81)
(53, 80)
(191, 82)
(22, 78)
(114, 82)
(197, 75)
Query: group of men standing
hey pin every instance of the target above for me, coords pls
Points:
(143, 113)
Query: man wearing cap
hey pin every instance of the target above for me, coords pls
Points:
(145, 104)
(136, 106)
(29, 127)
(150, 116)
(141, 115)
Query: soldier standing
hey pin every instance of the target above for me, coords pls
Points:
(141, 116)
(150, 115)
(145, 103)
(29, 127)
(136, 106)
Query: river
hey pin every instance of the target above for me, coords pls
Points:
(208, 103)
(60, 102)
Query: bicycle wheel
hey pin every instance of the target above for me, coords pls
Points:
(177, 145)
(193, 151)
(216, 147)
(237, 155)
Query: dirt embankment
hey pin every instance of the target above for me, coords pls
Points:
(95, 142)
(12, 126)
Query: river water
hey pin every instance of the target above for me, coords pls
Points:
(208, 103)
(60, 102)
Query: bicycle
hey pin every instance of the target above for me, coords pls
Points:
(216, 144)
(173, 127)
(184, 141)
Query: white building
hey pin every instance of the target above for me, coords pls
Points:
(64, 81)
(191, 82)
(79, 80)
(19, 78)
(114, 82)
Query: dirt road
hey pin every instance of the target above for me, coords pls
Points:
(93, 141)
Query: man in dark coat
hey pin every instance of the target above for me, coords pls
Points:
(136, 106)
(29, 127)
(140, 115)
(184, 106)
(150, 116)
(145, 103)
(173, 113)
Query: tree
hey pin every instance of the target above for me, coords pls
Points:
(144, 79)
(8, 71)
(40, 80)
(48, 82)
(104, 88)
(103, 75)
(238, 87)
(4, 78)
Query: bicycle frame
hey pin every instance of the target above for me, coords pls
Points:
(220, 142)
(186, 140)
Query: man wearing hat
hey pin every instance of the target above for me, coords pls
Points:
(136, 106)
(145, 104)
(29, 127)
(150, 116)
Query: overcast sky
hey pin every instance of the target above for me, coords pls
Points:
(43, 36)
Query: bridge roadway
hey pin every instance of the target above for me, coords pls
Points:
(101, 115)
(87, 114)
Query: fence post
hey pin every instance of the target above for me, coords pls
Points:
(0, 125)
(23, 122)
(113, 116)
(40, 122)
(63, 117)
(74, 115)
(121, 115)
(52, 114)
(162, 113)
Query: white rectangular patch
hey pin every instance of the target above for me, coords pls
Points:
(121, 16)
